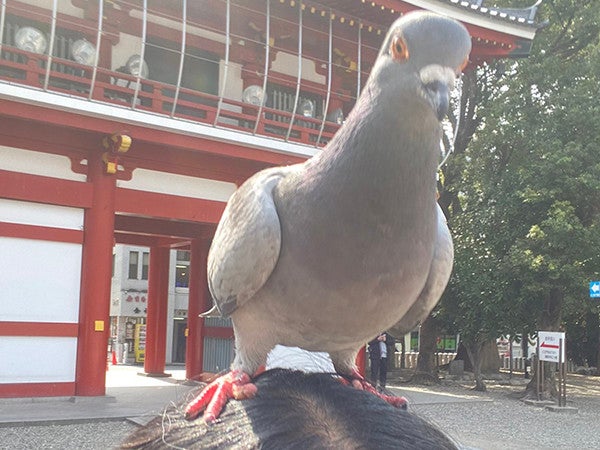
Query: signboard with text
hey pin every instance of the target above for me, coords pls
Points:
(594, 289)
(139, 343)
(549, 346)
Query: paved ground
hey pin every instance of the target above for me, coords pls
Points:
(128, 395)
(90, 423)
(493, 420)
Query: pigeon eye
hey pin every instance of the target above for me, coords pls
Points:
(464, 64)
(398, 49)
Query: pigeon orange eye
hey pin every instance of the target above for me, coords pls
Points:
(398, 49)
(464, 64)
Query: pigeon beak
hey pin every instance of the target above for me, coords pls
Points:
(439, 96)
(438, 82)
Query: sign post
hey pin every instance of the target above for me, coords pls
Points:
(538, 367)
(551, 347)
(562, 377)
(594, 289)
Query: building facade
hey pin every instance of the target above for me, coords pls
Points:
(129, 309)
(132, 122)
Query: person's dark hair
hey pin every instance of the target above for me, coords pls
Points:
(295, 410)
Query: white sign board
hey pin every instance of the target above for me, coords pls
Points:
(549, 346)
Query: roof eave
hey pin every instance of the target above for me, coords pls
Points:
(468, 16)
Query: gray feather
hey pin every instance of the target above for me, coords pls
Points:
(247, 241)
(439, 274)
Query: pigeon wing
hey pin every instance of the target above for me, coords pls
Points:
(439, 274)
(246, 244)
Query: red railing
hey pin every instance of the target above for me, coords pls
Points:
(29, 69)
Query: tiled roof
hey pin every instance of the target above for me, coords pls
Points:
(524, 16)
(378, 11)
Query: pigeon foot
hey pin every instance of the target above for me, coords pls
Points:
(359, 382)
(233, 385)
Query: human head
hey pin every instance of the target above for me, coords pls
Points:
(296, 410)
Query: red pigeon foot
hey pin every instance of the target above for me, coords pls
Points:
(359, 382)
(235, 384)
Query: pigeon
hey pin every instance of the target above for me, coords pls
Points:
(325, 254)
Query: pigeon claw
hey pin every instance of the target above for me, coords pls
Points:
(397, 402)
(358, 382)
(213, 398)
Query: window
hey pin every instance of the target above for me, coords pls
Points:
(200, 73)
(182, 269)
(182, 275)
(200, 68)
(133, 265)
(183, 255)
(414, 341)
(145, 265)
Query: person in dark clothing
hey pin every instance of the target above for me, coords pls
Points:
(381, 350)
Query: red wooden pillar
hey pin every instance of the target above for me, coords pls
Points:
(96, 271)
(198, 303)
(156, 315)
(361, 361)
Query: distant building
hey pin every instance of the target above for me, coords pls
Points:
(129, 307)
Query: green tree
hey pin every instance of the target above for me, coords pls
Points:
(524, 195)
(473, 94)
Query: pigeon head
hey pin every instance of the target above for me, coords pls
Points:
(422, 53)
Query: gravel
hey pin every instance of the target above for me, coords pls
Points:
(506, 422)
(98, 435)
(499, 421)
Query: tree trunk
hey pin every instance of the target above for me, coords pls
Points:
(402, 353)
(598, 355)
(427, 371)
(525, 351)
(548, 388)
(490, 359)
(474, 351)
(463, 355)
(550, 319)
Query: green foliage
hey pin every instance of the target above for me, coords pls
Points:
(524, 194)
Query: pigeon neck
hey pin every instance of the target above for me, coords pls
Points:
(400, 149)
